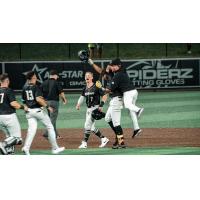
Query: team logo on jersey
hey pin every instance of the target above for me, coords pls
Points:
(40, 72)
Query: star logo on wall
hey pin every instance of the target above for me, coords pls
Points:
(38, 71)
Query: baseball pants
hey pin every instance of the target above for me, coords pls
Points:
(54, 115)
(130, 98)
(10, 125)
(89, 121)
(114, 111)
(33, 116)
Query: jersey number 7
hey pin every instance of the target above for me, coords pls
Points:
(1, 97)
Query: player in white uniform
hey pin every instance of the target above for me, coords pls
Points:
(8, 119)
(92, 94)
(32, 97)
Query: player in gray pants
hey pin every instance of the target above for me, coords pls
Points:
(8, 119)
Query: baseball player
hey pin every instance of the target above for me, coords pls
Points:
(122, 81)
(32, 97)
(8, 119)
(52, 91)
(129, 92)
(92, 94)
(113, 114)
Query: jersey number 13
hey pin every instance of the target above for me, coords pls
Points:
(29, 95)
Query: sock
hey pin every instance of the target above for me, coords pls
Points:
(98, 134)
(112, 126)
(86, 136)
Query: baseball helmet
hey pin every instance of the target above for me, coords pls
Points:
(96, 114)
(83, 55)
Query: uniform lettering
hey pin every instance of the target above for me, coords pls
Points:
(1, 97)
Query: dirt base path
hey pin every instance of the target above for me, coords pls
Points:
(157, 137)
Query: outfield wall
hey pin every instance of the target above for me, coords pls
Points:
(145, 74)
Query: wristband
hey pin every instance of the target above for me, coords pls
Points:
(21, 107)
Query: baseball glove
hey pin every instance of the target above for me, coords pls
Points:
(98, 84)
(97, 115)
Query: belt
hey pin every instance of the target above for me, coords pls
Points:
(117, 96)
(34, 109)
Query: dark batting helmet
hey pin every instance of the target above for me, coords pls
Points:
(96, 114)
(83, 55)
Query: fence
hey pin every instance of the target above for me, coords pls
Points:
(146, 74)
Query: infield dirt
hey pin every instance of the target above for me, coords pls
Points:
(156, 137)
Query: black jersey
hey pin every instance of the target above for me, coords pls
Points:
(122, 82)
(6, 97)
(51, 89)
(92, 95)
(29, 94)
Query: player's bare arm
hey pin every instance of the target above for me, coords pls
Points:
(95, 67)
(17, 105)
(62, 96)
(43, 103)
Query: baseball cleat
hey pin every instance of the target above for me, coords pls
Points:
(58, 137)
(119, 146)
(136, 133)
(139, 112)
(58, 150)
(104, 141)
(83, 145)
(3, 149)
(25, 151)
(11, 150)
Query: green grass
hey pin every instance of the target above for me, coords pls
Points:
(128, 151)
(162, 109)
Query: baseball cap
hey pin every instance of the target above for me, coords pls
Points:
(54, 72)
(116, 61)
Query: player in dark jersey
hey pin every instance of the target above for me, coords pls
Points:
(52, 92)
(113, 114)
(8, 119)
(32, 97)
(93, 95)
(122, 82)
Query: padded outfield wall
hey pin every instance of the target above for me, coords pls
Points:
(145, 74)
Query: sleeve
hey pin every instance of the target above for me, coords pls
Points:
(11, 96)
(100, 91)
(59, 87)
(38, 92)
(42, 87)
(83, 92)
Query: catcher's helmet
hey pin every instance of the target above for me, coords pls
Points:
(83, 55)
(96, 114)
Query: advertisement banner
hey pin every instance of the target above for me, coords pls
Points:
(163, 73)
(71, 74)
(159, 73)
